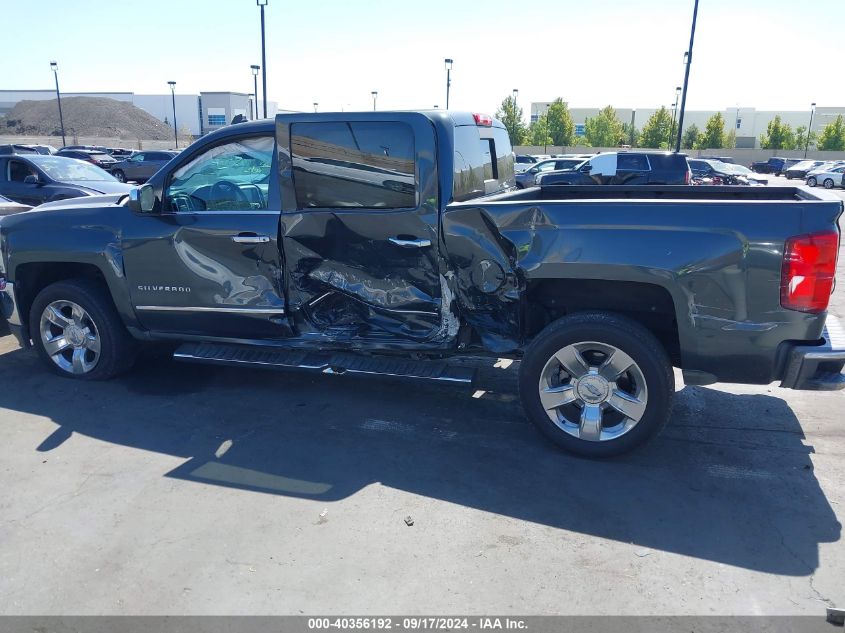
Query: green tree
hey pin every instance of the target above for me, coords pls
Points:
(561, 125)
(714, 133)
(539, 132)
(690, 138)
(730, 140)
(778, 135)
(832, 137)
(604, 129)
(631, 135)
(657, 130)
(510, 114)
(801, 138)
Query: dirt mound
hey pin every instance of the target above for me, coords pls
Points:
(85, 116)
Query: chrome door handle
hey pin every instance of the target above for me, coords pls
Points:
(416, 243)
(250, 238)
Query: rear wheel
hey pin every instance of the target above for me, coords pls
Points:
(828, 183)
(597, 384)
(77, 332)
(811, 181)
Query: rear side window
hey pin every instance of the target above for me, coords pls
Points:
(482, 165)
(354, 164)
(632, 162)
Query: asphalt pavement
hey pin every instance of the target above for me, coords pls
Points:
(199, 490)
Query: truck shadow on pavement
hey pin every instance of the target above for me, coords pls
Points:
(730, 479)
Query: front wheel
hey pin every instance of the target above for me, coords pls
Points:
(77, 332)
(119, 175)
(597, 384)
(811, 181)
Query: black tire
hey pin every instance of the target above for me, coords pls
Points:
(625, 335)
(811, 181)
(118, 173)
(117, 348)
(828, 183)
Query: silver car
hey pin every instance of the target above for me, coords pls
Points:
(141, 166)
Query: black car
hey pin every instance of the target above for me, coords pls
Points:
(35, 179)
(625, 168)
(529, 177)
(800, 170)
(100, 159)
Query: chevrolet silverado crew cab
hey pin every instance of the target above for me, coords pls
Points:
(393, 242)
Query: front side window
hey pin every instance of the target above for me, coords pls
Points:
(233, 176)
(18, 171)
(348, 164)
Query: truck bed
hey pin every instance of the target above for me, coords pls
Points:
(666, 192)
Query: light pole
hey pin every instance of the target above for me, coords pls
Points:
(513, 127)
(809, 129)
(315, 106)
(255, 68)
(674, 115)
(55, 68)
(375, 96)
(686, 78)
(262, 4)
(448, 63)
(172, 85)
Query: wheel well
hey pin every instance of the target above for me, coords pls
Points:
(648, 304)
(30, 279)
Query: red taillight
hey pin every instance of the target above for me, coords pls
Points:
(809, 267)
(483, 119)
(687, 177)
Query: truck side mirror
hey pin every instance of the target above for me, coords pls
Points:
(142, 199)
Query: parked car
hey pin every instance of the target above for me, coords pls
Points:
(523, 161)
(16, 148)
(625, 168)
(120, 153)
(828, 177)
(33, 179)
(774, 165)
(8, 207)
(141, 166)
(93, 148)
(722, 159)
(100, 159)
(718, 173)
(528, 178)
(800, 170)
(360, 243)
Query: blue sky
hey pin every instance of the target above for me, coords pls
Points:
(628, 53)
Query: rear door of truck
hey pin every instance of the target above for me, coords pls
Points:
(359, 225)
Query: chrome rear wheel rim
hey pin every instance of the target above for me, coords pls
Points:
(70, 337)
(593, 391)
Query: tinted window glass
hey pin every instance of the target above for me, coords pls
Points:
(632, 162)
(504, 155)
(18, 171)
(349, 164)
(233, 176)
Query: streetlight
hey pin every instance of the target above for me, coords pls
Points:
(172, 85)
(315, 106)
(688, 57)
(448, 63)
(515, 94)
(55, 68)
(375, 96)
(255, 68)
(262, 4)
(674, 115)
(809, 129)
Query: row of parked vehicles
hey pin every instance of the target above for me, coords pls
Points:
(34, 174)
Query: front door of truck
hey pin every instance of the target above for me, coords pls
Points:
(360, 226)
(208, 263)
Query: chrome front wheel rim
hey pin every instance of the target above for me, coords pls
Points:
(70, 337)
(593, 391)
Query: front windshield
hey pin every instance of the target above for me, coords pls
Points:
(70, 169)
(730, 168)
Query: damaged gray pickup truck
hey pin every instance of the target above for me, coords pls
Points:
(391, 242)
